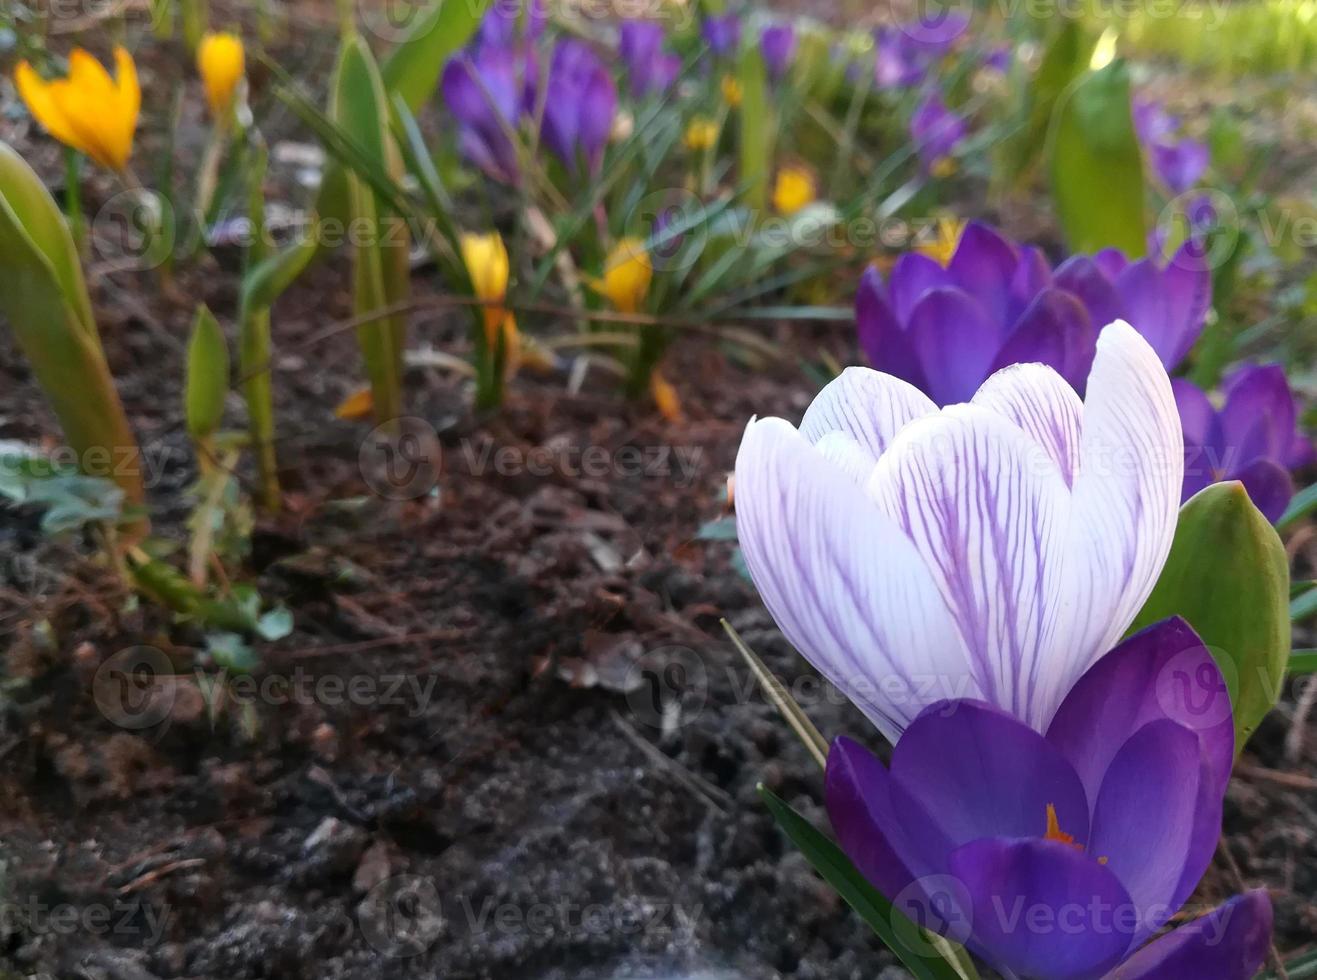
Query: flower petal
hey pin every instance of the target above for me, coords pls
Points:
(1167, 306)
(1161, 673)
(955, 341)
(846, 587)
(1203, 450)
(1228, 943)
(913, 275)
(859, 792)
(1258, 417)
(1042, 908)
(1126, 500)
(979, 772)
(1269, 486)
(36, 93)
(1055, 330)
(1159, 852)
(882, 336)
(1082, 276)
(867, 405)
(983, 266)
(987, 509)
(1043, 405)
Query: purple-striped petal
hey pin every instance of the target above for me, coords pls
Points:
(1228, 943)
(1125, 504)
(869, 406)
(1159, 852)
(1042, 404)
(976, 771)
(986, 508)
(1162, 673)
(955, 342)
(1042, 908)
(881, 335)
(844, 584)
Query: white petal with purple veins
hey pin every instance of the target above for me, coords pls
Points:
(987, 509)
(867, 405)
(844, 583)
(1040, 402)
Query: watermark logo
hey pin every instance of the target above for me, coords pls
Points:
(401, 460)
(134, 689)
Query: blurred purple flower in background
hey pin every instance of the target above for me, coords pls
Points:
(723, 34)
(579, 106)
(906, 52)
(650, 70)
(995, 303)
(487, 91)
(1253, 438)
(1178, 160)
(778, 43)
(503, 24)
(936, 131)
(1000, 59)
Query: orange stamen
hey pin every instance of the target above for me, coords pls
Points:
(1054, 831)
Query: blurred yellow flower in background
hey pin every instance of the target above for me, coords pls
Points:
(486, 260)
(944, 246)
(627, 275)
(701, 134)
(793, 190)
(731, 91)
(88, 110)
(221, 61)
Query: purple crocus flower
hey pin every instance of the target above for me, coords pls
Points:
(945, 330)
(935, 131)
(1061, 854)
(986, 551)
(503, 25)
(906, 52)
(1178, 160)
(999, 59)
(486, 91)
(579, 107)
(650, 69)
(722, 33)
(1254, 438)
(778, 44)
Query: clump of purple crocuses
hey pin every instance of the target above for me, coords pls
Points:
(906, 52)
(946, 328)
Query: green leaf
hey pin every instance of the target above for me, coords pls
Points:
(1228, 576)
(755, 115)
(890, 925)
(1096, 164)
(1303, 504)
(1303, 662)
(381, 271)
(1303, 606)
(269, 279)
(207, 375)
(412, 71)
(45, 301)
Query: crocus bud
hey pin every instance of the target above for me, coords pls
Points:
(220, 60)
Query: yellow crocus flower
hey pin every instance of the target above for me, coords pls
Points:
(88, 110)
(731, 91)
(221, 62)
(665, 396)
(486, 260)
(948, 237)
(701, 134)
(627, 275)
(793, 190)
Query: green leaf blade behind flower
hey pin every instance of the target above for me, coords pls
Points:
(755, 119)
(412, 71)
(888, 923)
(1228, 576)
(1097, 166)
